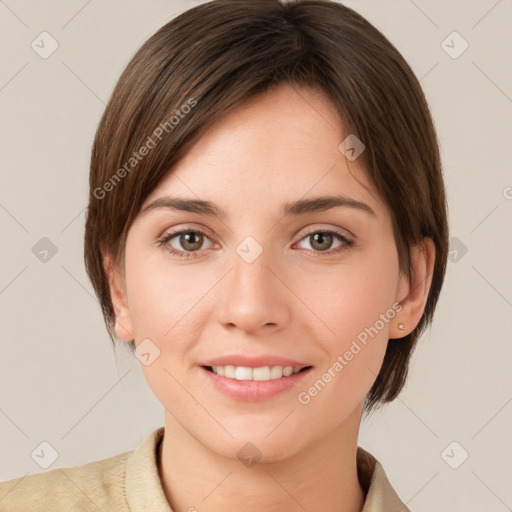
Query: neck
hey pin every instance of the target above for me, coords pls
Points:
(321, 477)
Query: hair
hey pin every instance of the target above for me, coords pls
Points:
(212, 58)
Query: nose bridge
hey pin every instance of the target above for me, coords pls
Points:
(253, 296)
(251, 279)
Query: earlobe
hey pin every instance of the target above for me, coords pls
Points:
(412, 295)
(123, 332)
(123, 324)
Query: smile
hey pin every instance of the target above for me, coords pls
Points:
(261, 374)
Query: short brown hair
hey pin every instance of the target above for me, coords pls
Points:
(213, 57)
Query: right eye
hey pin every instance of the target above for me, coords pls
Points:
(190, 240)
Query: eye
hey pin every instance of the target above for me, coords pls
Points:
(190, 240)
(321, 241)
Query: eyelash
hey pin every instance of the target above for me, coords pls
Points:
(161, 242)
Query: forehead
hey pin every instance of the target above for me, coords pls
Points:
(274, 148)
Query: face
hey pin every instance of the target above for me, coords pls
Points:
(312, 288)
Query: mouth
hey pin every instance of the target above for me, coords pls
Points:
(263, 373)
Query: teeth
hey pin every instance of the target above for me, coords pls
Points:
(243, 373)
(262, 373)
(276, 372)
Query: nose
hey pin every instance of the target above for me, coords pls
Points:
(252, 295)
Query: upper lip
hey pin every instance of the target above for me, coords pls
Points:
(253, 362)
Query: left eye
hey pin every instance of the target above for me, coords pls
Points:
(321, 241)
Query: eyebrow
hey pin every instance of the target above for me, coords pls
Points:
(300, 207)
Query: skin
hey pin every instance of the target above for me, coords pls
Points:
(294, 300)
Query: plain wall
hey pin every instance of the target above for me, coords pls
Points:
(61, 381)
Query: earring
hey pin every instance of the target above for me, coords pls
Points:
(401, 327)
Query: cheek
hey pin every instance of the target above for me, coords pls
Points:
(355, 306)
(348, 299)
(163, 298)
(165, 307)
(355, 345)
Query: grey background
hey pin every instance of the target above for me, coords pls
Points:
(62, 383)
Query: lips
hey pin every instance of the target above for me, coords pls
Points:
(254, 390)
(254, 378)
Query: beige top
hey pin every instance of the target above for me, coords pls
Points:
(130, 482)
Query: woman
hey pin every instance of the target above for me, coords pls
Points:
(267, 230)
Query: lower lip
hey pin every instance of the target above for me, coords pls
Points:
(254, 390)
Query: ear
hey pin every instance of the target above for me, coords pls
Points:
(413, 295)
(123, 326)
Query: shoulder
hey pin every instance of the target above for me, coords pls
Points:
(98, 484)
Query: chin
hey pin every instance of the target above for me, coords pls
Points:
(251, 446)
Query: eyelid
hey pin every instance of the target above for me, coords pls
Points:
(173, 231)
(316, 229)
